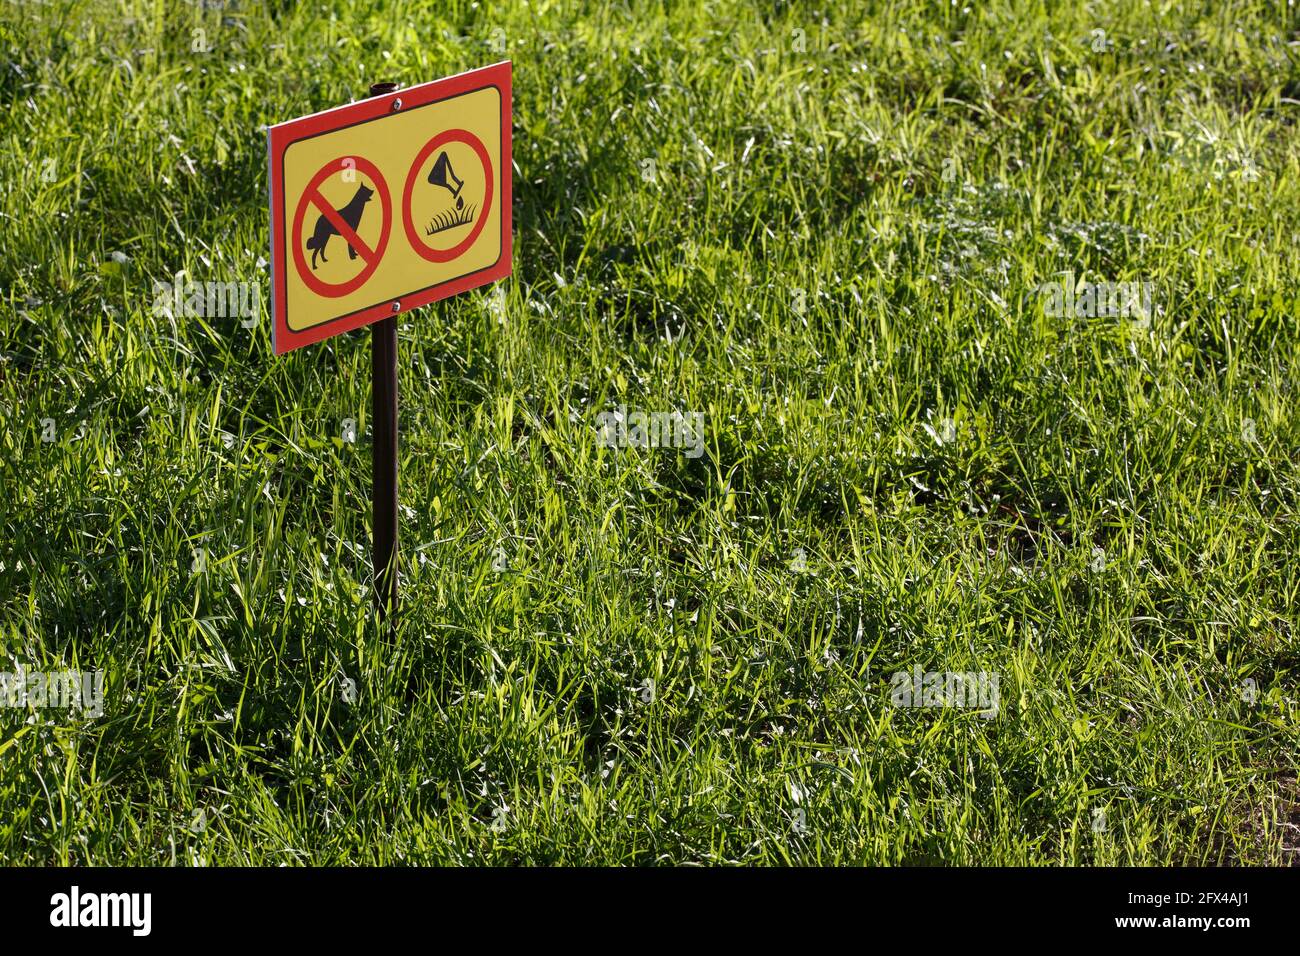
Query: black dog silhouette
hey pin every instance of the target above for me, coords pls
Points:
(351, 214)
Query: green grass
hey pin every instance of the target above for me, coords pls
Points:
(881, 385)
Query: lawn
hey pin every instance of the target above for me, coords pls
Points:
(827, 232)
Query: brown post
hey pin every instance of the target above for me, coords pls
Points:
(383, 491)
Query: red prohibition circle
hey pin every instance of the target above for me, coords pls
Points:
(311, 195)
(412, 234)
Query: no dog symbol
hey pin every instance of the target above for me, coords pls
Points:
(345, 235)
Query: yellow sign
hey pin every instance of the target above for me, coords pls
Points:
(389, 203)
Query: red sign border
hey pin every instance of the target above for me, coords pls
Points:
(281, 136)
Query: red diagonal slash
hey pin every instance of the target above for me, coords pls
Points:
(347, 232)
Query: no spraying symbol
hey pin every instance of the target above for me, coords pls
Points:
(443, 174)
(342, 222)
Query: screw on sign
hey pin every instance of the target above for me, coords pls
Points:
(338, 264)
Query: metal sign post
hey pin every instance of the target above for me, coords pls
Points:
(383, 484)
